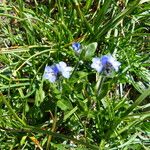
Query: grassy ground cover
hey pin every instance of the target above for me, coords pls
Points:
(74, 74)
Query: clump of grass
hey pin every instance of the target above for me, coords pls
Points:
(88, 109)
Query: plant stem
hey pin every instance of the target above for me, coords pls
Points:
(53, 129)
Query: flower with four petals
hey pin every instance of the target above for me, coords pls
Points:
(51, 72)
(105, 64)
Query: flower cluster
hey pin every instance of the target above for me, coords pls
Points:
(51, 72)
(104, 64)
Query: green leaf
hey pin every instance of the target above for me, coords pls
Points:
(90, 50)
(146, 126)
(39, 97)
(26, 107)
(82, 74)
(70, 113)
(64, 105)
(23, 139)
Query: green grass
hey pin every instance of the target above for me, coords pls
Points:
(88, 110)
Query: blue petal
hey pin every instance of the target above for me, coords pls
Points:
(55, 69)
(48, 69)
(50, 74)
(64, 69)
(66, 74)
(97, 65)
(104, 59)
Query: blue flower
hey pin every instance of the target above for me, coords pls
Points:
(64, 69)
(105, 64)
(50, 73)
(76, 46)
